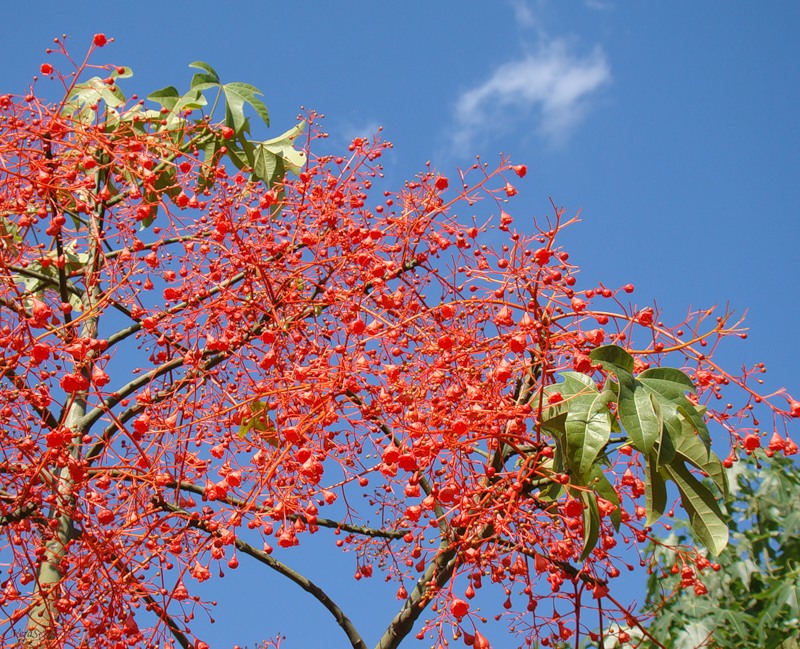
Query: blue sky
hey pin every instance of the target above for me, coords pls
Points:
(673, 127)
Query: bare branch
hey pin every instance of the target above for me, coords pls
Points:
(306, 584)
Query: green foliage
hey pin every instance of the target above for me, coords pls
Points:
(258, 420)
(88, 94)
(101, 101)
(43, 274)
(267, 161)
(660, 421)
(753, 599)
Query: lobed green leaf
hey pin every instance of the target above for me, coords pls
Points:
(237, 94)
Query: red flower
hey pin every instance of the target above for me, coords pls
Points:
(72, 382)
(645, 317)
(200, 572)
(99, 377)
(542, 256)
(40, 313)
(504, 317)
(752, 442)
(578, 304)
(776, 443)
(40, 353)
(459, 608)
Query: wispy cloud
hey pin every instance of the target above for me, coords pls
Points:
(553, 86)
(600, 5)
(523, 13)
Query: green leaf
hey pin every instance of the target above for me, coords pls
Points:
(613, 358)
(122, 72)
(665, 448)
(788, 594)
(205, 67)
(238, 156)
(91, 93)
(670, 385)
(655, 491)
(638, 414)
(694, 414)
(283, 147)
(167, 182)
(166, 97)
(695, 634)
(9, 234)
(237, 94)
(574, 383)
(193, 99)
(580, 421)
(550, 493)
(267, 167)
(588, 428)
(737, 622)
(259, 420)
(48, 277)
(591, 523)
(207, 175)
(668, 381)
(556, 425)
(136, 117)
(705, 516)
(691, 449)
(603, 488)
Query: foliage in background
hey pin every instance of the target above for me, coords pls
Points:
(753, 598)
(203, 358)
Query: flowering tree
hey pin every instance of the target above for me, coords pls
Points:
(213, 345)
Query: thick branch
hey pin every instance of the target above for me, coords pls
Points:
(310, 587)
(435, 577)
(18, 514)
(306, 584)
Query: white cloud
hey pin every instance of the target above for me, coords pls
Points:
(554, 85)
(523, 13)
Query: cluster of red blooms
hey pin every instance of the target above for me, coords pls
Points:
(178, 394)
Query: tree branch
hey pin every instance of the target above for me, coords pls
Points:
(306, 584)
(435, 577)
(48, 419)
(322, 522)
